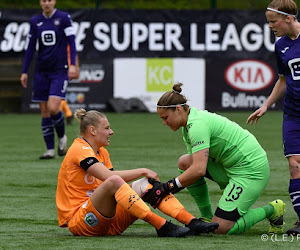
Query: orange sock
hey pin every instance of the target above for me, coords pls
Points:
(63, 105)
(184, 217)
(172, 207)
(131, 202)
(65, 108)
(154, 220)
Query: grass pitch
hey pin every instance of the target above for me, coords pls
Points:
(28, 213)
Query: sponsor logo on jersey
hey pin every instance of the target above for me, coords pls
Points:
(48, 37)
(57, 22)
(197, 143)
(284, 50)
(89, 179)
(294, 66)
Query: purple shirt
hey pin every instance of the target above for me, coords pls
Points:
(288, 60)
(53, 35)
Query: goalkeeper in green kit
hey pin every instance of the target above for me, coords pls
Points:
(224, 152)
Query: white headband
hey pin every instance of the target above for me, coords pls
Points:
(281, 12)
(171, 106)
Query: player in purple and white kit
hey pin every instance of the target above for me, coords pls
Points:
(282, 18)
(53, 31)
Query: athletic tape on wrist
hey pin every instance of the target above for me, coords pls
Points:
(178, 183)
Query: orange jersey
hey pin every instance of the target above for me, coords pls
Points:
(75, 185)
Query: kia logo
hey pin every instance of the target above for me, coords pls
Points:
(249, 75)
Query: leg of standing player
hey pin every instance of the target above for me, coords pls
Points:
(48, 131)
(291, 135)
(57, 91)
(294, 190)
(41, 84)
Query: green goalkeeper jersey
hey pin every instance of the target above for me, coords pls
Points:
(229, 144)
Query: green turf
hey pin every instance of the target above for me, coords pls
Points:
(28, 214)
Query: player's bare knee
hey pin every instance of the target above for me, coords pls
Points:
(294, 170)
(44, 110)
(53, 110)
(294, 165)
(224, 225)
(114, 182)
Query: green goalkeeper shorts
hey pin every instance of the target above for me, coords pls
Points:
(241, 188)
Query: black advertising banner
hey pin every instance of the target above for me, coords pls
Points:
(239, 84)
(91, 91)
(164, 33)
(237, 47)
(94, 88)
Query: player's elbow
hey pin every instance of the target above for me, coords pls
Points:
(199, 172)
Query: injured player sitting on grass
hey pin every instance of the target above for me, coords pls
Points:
(94, 199)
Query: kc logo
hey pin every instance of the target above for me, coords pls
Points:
(159, 74)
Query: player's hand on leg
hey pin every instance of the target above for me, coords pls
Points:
(154, 195)
(169, 186)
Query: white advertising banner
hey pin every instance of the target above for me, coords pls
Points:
(149, 78)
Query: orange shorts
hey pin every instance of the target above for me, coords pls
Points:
(87, 221)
